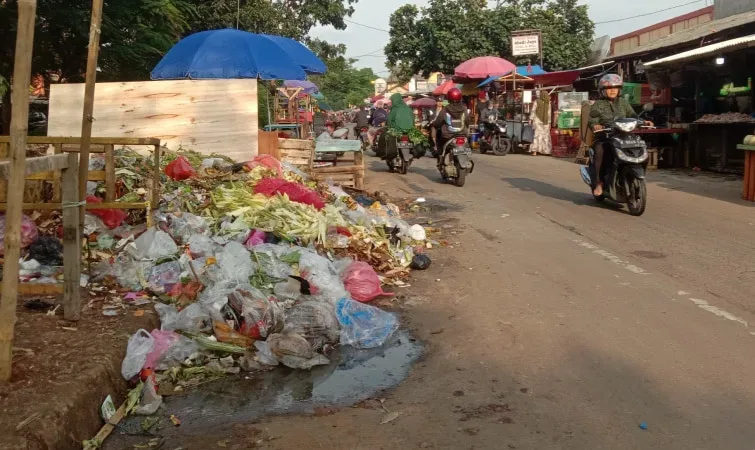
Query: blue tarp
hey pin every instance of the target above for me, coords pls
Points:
(521, 70)
(229, 53)
(301, 54)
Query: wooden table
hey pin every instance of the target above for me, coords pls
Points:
(748, 188)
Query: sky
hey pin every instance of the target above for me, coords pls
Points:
(361, 41)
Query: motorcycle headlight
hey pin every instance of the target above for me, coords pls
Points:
(626, 127)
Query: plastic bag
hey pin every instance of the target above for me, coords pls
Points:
(224, 333)
(362, 282)
(264, 354)
(183, 226)
(294, 351)
(315, 321)
(265, 161)
(322, 276)
(179, 352)
(235, 262)
(164, 277)
(420, 262)
(201, 245)
(416, 233)
(129, 273)
(260, 316)
(364, 326)
(163, 340)
(149, 401)
(48, 250)
(168, 316)
(192, 318)
(180, 169)
(112, 218)
(139, 346)
(295, 191)
(154, 244)
(29, 232)
(269, 256)
(257, 237)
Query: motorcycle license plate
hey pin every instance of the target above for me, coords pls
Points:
(461, 151)
(404, 145)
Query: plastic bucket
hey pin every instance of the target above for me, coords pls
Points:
(475, 140)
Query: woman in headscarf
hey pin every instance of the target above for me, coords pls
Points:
(541, 120)
(401, 117)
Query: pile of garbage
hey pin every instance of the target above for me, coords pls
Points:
(269, 268)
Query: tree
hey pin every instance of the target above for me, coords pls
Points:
(291, 18)
(135, 34)
(446, 33)
(343, 84)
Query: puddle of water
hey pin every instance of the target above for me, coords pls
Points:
(353, 375)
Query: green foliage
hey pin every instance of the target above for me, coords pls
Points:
(447, 32)
(343, 84)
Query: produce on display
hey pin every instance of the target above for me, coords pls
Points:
(730, 117)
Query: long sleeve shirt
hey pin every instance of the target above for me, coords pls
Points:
(604, 112)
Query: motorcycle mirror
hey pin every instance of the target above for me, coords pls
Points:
(647, 107)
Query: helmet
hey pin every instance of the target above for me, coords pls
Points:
(610, 80)
(454, 95)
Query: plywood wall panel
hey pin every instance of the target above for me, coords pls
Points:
(209, 116)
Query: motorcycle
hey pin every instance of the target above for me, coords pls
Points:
(493, 136)
(456, 161)
(364, 137)
(625, 162)
(400, 158)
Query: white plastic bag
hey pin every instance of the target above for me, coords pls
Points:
(139, 346)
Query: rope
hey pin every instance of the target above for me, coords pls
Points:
(72, 204)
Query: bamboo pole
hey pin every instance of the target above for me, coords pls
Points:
(27, 10)
(91, 77)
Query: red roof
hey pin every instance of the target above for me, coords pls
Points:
(562, 78)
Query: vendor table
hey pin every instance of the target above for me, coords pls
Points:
(748, 190)
(348, 151)
(658, 150)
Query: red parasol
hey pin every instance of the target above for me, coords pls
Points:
(483, 67)
(445, 87)
(426, 102)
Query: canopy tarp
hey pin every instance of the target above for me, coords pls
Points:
(526, 71)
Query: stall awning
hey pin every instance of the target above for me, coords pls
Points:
(526, 71)
(564, 77)
(708, 50)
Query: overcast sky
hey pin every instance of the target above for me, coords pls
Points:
(361, 40)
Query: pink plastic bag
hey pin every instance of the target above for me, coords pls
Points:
(180, 169)
(256, 238)
(265, 161)
(163, 341)
(362, 282)
(295, 191)
(29, 232)
(112, 218)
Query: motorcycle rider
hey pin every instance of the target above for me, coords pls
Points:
(603, 114)
(451, 121)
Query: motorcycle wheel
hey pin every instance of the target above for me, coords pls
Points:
(403, 168)
(501, 146)
(638, 197)
(391, 167)
(461, 176)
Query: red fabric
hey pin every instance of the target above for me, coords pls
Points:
(483, 67)
(295, 191)
(563, 78)
(112, 218)
(180, 169)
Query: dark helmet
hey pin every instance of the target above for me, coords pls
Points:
(454, 95)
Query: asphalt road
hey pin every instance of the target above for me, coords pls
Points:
(556, 323)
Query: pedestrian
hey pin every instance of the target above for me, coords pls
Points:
(541, 121)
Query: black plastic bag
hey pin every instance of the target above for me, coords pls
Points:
(421, 262)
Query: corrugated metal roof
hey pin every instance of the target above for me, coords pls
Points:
(698, 53)
(696, 33)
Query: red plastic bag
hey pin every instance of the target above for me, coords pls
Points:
(362, 282)
(180, 169)
(265, 161)
(295, 191)
(112, 218)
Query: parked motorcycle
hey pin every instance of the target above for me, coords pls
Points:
(456, 161)
(625, 162)
(493, 136)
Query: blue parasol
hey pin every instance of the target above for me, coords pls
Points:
(301, 54)
(229, 53)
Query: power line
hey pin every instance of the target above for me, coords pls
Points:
(648, 14)
(368, 54)
(366, 26)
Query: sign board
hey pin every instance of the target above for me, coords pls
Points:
(525, 44)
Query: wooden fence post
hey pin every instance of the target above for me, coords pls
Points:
(71, 240)
(91, 77)
(27, 10)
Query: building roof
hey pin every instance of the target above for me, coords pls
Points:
(699, 53)
(696, 33)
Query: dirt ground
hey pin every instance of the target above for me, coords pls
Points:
(62, 372)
